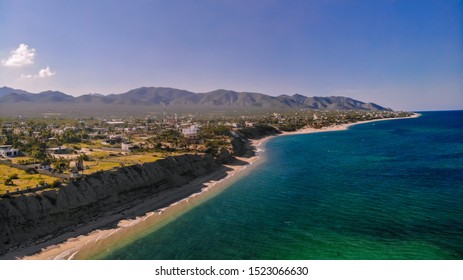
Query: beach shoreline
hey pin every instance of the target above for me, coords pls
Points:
(94, 238)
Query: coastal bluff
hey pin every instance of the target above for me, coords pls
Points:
(28, 219)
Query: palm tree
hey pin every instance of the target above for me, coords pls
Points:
(61, 164)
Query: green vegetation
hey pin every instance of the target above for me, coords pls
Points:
(102, 163)
(61, 164)
(67, 147)
(13, 178)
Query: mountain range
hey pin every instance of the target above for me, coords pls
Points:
(146, 99)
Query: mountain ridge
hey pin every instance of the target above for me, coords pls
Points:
(178, 98)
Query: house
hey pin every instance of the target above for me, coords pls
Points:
(41, 166)
(112, 140)
(115, 122)
(127, 146)
(248, 124)
(57, 131)
(109, 142)
(58, 151)
(190, 132)
(18, 130)
(8, 151)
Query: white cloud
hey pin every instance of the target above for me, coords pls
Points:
(26, 76)
(43, 73)
(46, 72)
(23, 55)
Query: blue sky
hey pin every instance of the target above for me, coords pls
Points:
(401, 54)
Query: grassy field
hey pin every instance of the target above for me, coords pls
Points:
(100, 154)
(100, 161)
(16, 159)
(92, 144)
(106, 162)
(24, 180)
(95, 166)
(134, 159)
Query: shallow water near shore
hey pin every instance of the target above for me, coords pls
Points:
(382, 190)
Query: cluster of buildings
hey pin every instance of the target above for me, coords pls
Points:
(127, 134)
(8, 151)
(112, 134)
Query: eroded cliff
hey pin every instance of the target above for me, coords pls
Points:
(24, 219)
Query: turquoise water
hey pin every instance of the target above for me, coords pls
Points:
(383, 190)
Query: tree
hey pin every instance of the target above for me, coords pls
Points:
(39, 151)
(9, 182)
(70, 136)
(61, 164)
(80, 162)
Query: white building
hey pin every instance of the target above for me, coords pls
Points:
(248, 124)
(190, 132)
(58, 151)
(8, 151)
(127, 146)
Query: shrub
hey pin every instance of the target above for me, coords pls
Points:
(31, 170)
(85, 157)
(13, 176)
(9, 182)
(56, 184)
(41, 182)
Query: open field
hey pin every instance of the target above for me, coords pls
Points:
(91, 144)
(135, 158)
(100, 161)
(106, 162)
(24, 180)
(95, 166)
(16, 160)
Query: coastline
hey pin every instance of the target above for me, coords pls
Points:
(169, 205)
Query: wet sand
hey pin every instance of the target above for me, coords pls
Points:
(169, 205)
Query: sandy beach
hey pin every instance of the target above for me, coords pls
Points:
(119, 227)
(168, 205)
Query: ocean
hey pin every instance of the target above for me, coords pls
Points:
(381, 190)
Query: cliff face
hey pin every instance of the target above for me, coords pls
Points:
(26, 218)
(240, 141)
(258, 131)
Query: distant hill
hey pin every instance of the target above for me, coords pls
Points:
(6, 90)
(176, 99)
(329, 103)
(9, 95)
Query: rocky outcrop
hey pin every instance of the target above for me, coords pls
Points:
(259, 131)
(27, 218)
(240, 139)
(241, 146)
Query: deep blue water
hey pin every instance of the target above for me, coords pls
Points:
(383, 190)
